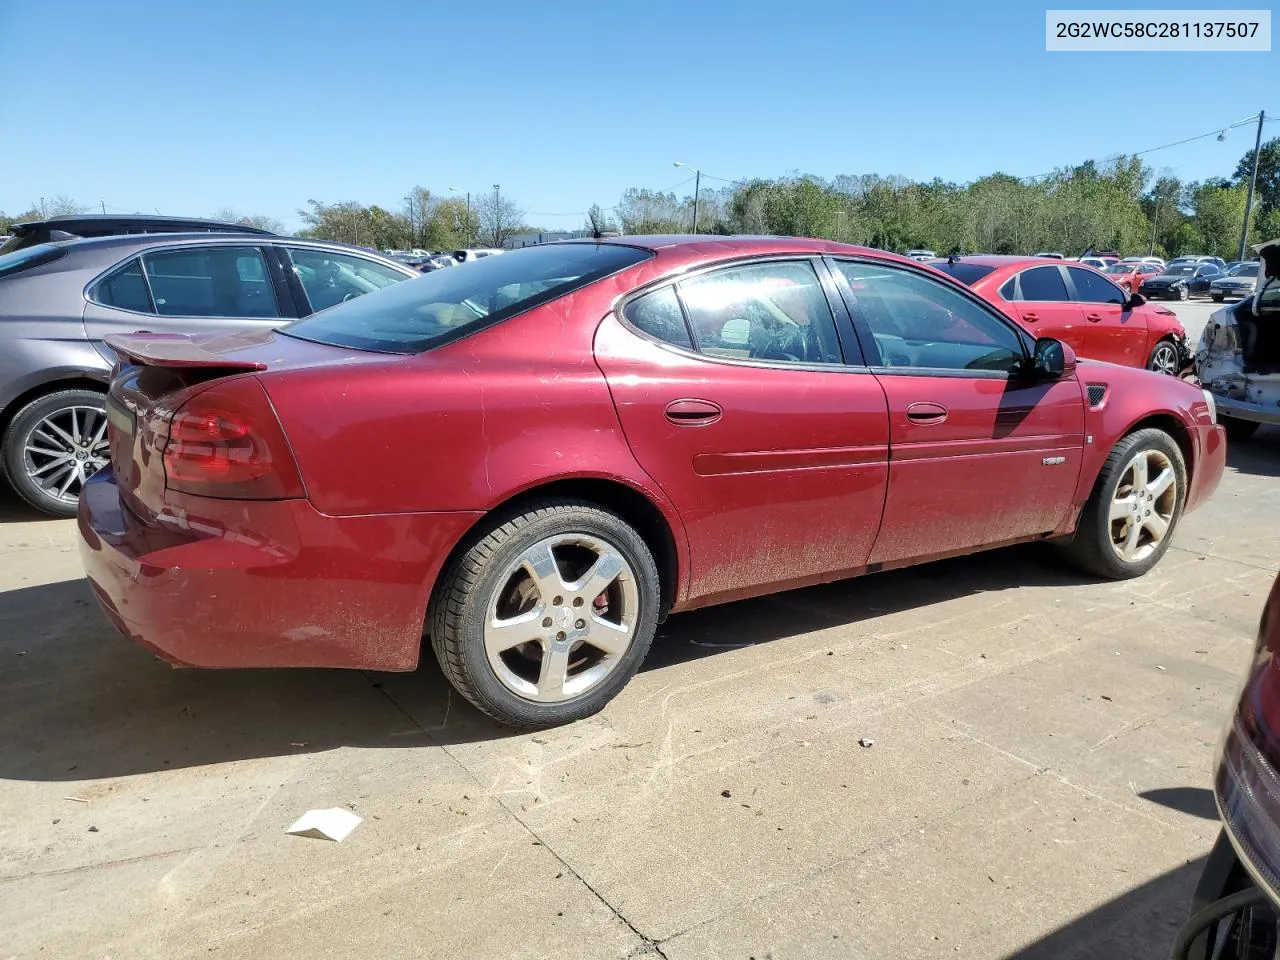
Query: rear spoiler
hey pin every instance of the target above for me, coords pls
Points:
(174, 350)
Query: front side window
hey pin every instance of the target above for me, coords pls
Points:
(767, 311)
(1207, 271)
(209, 282)
(331, 278)
(446, 304)
(1091, 288)
(1042, 284)
(126, 289)
(659, 315)
(920, 322)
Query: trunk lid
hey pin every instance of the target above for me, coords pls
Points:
(158, 373)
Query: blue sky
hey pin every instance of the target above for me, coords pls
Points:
(187, 106)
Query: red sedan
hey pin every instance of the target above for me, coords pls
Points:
(538, 456)
(1129, 275)
(1080, 306)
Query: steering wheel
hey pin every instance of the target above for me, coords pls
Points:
(349, 296)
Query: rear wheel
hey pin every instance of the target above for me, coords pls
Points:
(546, 617)
(1164, 358)
(1136, 504)
(53, 445)
(1239, 431)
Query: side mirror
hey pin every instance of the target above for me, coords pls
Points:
(1052, 360)
(1135, 300)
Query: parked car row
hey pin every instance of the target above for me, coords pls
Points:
(427, 262)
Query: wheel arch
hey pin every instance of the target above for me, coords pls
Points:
(1168, 423)
(656, 526)
(72, 380)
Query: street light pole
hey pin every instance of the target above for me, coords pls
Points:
(1253, 181)
(470, 235)
(497, 217)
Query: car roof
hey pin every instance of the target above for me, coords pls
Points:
(999, 261)
(132, 221)
(139, 240)
(718, 245)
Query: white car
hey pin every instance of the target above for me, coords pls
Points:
(479, 253)
(921, 255)
(1238, 360)
(1240, 281)
(1156, 260)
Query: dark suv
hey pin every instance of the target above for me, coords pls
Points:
(81, 226)
(59, 300)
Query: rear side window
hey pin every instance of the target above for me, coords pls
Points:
(211, 282)
(1041, 284)
(442, 306)
(29, 258)
(1093, 288)
(126, 289)
(659, 315)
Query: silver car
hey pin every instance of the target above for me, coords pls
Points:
(1240, 281)
(59, 300)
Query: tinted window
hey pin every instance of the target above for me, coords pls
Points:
(1118, 269)
(1209, 270)
(767, 311)
(28, 258)
(1245, 270)
(1009, 290)
(208, 282)
(1041, 283)
(1092, 288)
(920, 322)
(659, 315)
(125, 289)
(330, 278)
(445, 304)
(1180, 270)
(967, 273)
(1149, 269)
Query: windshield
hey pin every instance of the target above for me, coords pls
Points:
(1244, 270)
(966, 273)
(1120, 268)
(1180, 270)
(442, 305)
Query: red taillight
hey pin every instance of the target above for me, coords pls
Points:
(227, 442)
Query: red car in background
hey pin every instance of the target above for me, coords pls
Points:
(1080, 306)
(1130, 275)
(540, 456)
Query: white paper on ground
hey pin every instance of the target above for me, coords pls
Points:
(332, 824)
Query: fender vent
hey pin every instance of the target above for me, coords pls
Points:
(1097, 393)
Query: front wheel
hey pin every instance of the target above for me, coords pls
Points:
(1217, 297)
(548, 615)
(1184, 293)
(53, 445)
(1164, 358)
(1129, 520)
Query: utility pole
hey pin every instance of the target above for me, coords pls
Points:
(1253, 181)
(103, 204)
(697, 184)
(1154, 220)
(497, 217)
(42, 213)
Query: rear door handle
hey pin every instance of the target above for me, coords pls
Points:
(693, 412)
(926, 412)
(1093, 317)
(1031, 317)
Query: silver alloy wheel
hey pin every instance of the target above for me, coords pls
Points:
(1143, 505)
(1164, 359)
(563, 616)
(65, 449)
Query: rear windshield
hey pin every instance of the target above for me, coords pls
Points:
(966, 273)
(28, 257)
(446, 304)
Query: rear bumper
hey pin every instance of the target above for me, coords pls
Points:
(1210, 464)
(1243, 410)
(220, 583)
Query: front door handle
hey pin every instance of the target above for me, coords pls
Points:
(1031, 317)
(926, 412)
(693, 412)
(1093, 317)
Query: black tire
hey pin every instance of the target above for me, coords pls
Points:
(13, 456)
(461, 600)
(1239, 431)
(1162, 351)
(1091, 548)
(1217, 298)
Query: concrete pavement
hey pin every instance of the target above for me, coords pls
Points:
(1036, 786)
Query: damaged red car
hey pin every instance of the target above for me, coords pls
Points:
(534, 458)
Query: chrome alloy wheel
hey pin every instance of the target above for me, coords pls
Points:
(1164, 359)
(563, 616)
(1143, 505)
(65, 449)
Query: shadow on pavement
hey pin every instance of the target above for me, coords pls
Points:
(1138, 925)
(1259, 456)
(13, 509)
(81, 702)
(1193, 801)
